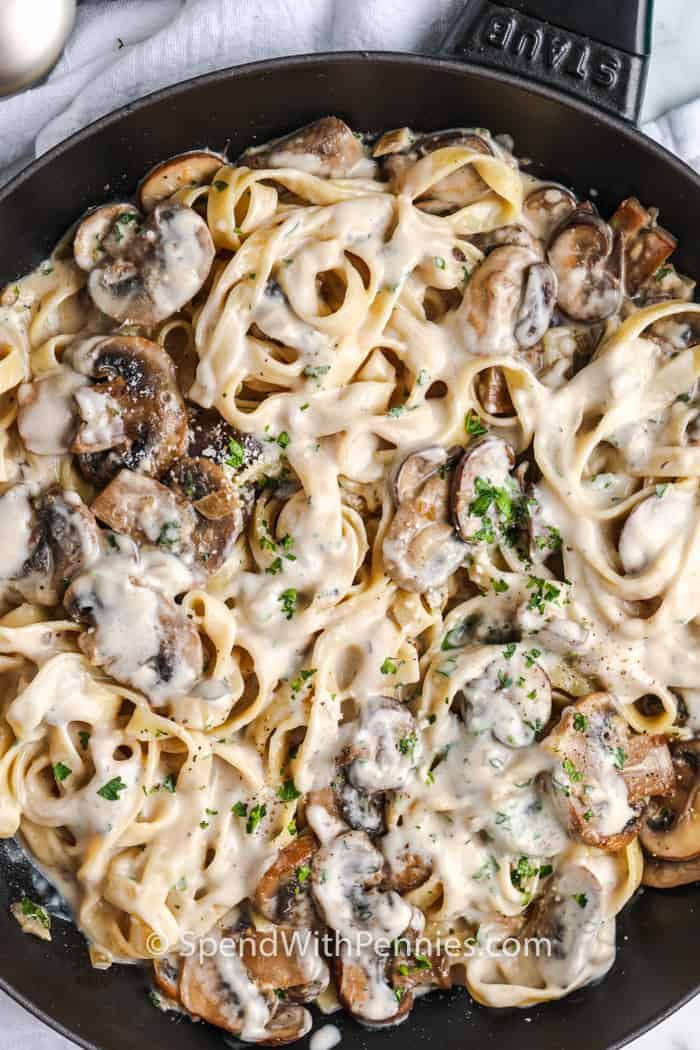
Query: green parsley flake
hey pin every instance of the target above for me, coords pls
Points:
(61, 772)
(236, 454)
(287, 792)
(389, 666)
(473, 425)
(288, 600)
(112, 789)
(255, 816)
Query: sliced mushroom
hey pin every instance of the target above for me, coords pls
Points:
(196, 168)
(420, 549)
(357, 808)
(647, 246)
(568, 916)
(294, 967)
(148, 512)
(210, 436)
(588, 260)
(408, 871)
(653, 526)
(220, 988)
(136, 633)
(514, 234)
(345, 877)
(482, 493)
(670, 831)
(603, 772)
(509, 301)
(167, 970)
(45, 541)
(132, 415)
(221, 507)
(455, 190)
(415, 469)
(410, 971)
(492, 392)
(385, 746)
(512, 698)
(282, 895)
(143, 270)
(46, 416)
(546, 207)
(327, 148)
(367, 988)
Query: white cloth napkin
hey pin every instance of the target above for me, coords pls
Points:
(122, 49)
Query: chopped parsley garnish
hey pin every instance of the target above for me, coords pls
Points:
(574, 774)
(522, 873)
(662, 272)
(287, 792)
(239, 809)
(422, 962)
(509, 650)
(315, 371)
(84, 738)
(396, 411)
(488, 869)
(255, 816)
(545, 870)
(304, 675)
(499, 586)
(292, 827)
(504, 680)
(543, 591)
(35, 911)
(407, 744)
(531, 656)
(283, 439)
(169, 534)
(61, 771)
(288, 600)
(303, 874)
(236, 454)
(399, 994)
(588, 815)
(580, 722)
(112, 789)
(422, 377)
(274, 567)
(660, 490)
(620, 758)
(439, 262)
(389, 666)
(473, 425)
(581, 899)
(169, 783)
(552, 540)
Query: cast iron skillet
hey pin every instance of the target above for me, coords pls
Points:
(596, 52)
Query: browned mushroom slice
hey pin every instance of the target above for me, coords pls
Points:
(420, 548)
(236, 989)
(588, 260)
(408, 871)
(132, 415)
(327, 148)
(568, 916)
(546, 207)
(210, 436)
(415, 469)
(47, 417)
(148, 512)
(144, 270)
(282, 895)
(420, 971)
(604, 773)
(345, 877)
(364, 982)
(514, 234)
(385, 746)
(166, 973)
(647, 246)
(670, 831)
(360, 809)
(509, 301)
(136, 633)
(294, 967)
(511, 698)
(195, 168)
(482, 492)
(46, 541)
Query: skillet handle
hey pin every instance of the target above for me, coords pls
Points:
(596, 50)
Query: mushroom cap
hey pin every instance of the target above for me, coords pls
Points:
(144, 270)
(588, 260)
(485, 463)
(547, 206)
(134, 381)
(670, 830)
(280, 895)
(326, 148)
(193, 168)
(378, 759)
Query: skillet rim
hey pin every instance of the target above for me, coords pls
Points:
(627, 130)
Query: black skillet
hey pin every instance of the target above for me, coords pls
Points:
(565, 78)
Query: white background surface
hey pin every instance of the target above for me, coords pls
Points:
(674, 77)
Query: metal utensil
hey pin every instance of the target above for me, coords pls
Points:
(32, 36)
